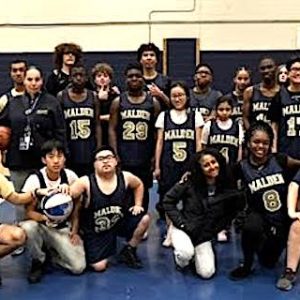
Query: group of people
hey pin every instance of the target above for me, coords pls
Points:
(217, 158)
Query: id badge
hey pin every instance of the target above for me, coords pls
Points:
(24, 143)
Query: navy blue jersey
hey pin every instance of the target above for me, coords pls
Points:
(80, 124)
(267, 189)
(259, 106)
(104, 211)
(225, 141)
(204, 103)
(178, 146)
(135, 131)
(237, 112)
(289, 126)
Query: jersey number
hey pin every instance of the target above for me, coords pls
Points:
(179, 151)
(225, 152)
(271, 200)
(138, 131)
(293, 123)
(80, 129)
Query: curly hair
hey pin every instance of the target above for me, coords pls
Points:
(102, 68)
(65, 48)
(148, 47)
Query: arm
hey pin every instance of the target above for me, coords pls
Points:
(205, 134)
(158, 152)
(292, 200)
(113, 123)
(275, 142)
(97, 121)
(170, 201)
(79, 187)
(246, 106)
(20, 198)
(134, 183)
(32, 214)
(198, 133)
(159, 94)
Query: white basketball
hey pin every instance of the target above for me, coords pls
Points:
(57, 206)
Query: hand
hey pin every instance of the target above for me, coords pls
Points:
(75, 238)
(103, 93)
(136, 210)
(157, 174)
(155, 90)
(116, 90)
(64, 189)
(43, 192)
(185, 177)
(294, 215)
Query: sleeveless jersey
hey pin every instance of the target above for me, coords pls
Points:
(178, 147)
(104, 211)
(80, 124)
(225, 141)
(136, 131)
(266, 189)
(237, 112)
(259, 106)
(289, 137)
(204, 103)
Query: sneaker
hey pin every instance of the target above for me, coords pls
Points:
(286, 280)
(240, 273)
(36, 271)
(18, 251)
(129, 257)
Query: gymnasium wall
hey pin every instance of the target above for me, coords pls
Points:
(230, 32)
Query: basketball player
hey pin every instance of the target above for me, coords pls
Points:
(289, 276)
(258, 98)
(102, 75)
(106, 213)
(17, 72)
(12, 236)
(131, 128)
(263, 175)
(156, 83)
(241, 80)
(203, 97)
(81, 112)
(66, 55)
(285, 112)
(62, 240)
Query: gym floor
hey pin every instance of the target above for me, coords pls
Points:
(157, 280)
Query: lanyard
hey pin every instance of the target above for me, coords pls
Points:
(32, 106)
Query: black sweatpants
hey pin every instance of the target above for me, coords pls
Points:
(261, 238)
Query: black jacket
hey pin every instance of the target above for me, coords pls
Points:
(202, 217)
(46, 122)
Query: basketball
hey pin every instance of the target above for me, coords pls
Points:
(57, 206)
(5, 133)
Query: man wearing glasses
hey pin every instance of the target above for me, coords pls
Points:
(106, 213)
(202, 97)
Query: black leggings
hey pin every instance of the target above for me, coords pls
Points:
(265, 240)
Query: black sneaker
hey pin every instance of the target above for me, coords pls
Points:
(286, 280)
(129, 257)
(240, 273)
(36, 271)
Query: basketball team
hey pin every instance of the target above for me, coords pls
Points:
(79, 156)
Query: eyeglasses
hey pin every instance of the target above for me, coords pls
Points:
(295, 69)
(203, 72)
(106, 157)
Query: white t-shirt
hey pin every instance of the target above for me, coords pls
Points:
(178, 117)
(32, 182)
(225, 125)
